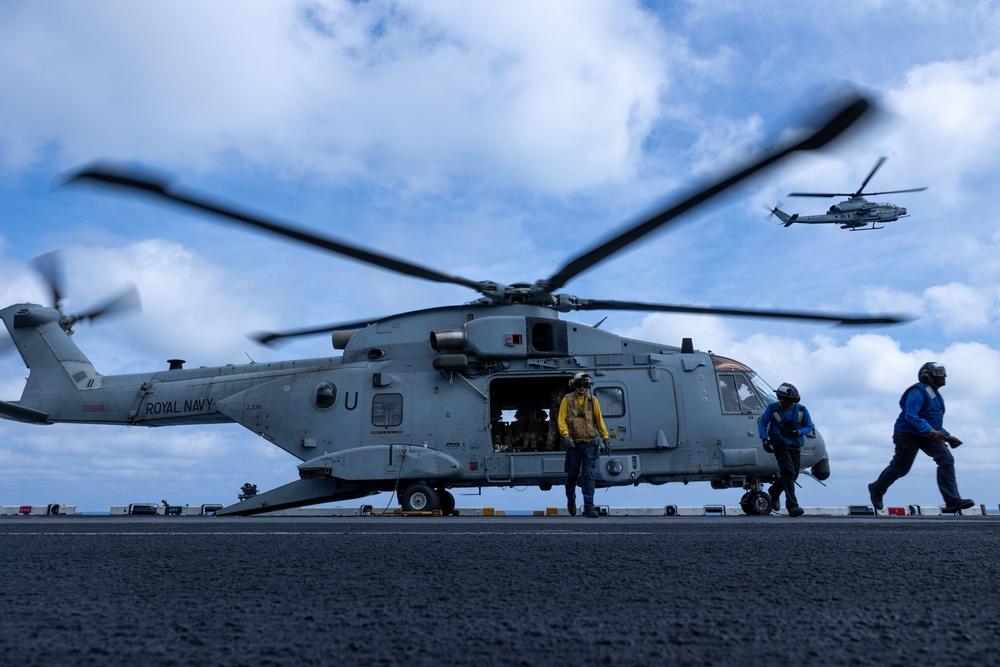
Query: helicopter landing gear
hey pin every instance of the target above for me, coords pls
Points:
(446, 502)
(419, 498)
(755, 502)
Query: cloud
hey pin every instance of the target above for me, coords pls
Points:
(961, 308)
(337, 89)
(957, 308)
(942, 125)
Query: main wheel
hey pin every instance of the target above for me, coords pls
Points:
(419, 498)
(446, 502)
(756, 503)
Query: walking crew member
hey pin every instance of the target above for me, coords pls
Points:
(580, 422)
(782, 427)
(919, 427)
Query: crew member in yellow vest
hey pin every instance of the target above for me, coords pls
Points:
(580, 422)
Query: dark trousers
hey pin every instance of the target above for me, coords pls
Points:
(581, 461)
(789, 461)
(907, 446)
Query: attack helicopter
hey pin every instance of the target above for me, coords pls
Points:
(856, 213)
(413, 403)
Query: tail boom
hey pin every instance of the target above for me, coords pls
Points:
(786, 219)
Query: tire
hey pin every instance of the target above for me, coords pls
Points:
(446, 502)
(756, 503)
(419, 498)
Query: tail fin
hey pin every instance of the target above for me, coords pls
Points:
(56, 365)
(784, 217)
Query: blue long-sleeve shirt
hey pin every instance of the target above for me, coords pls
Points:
(796, 419)
(921, 410)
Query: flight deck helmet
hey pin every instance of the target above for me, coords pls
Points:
(788, 390)
(581, 380)
(932, 373)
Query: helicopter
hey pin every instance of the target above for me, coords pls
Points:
(854, 214)
(414, 403)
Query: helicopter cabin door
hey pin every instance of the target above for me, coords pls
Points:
(639, 408)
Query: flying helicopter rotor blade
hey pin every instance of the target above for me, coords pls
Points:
(852, 194)
(844, 320)
(106, 173)
(878, 165)
(893, 192)
(849, 112)
(50, 267)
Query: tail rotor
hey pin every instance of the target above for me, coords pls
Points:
(50, 268)
(775, 210)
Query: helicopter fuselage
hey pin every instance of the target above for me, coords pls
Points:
(428, 398)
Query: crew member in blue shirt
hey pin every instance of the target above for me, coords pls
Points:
(920, 427)
(783, 428)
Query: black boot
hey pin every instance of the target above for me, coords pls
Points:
(790, 500)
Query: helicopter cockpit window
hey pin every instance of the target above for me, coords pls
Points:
(326, 395)
(738, 395)
(387, 410)
(611, 400)
(727, 390)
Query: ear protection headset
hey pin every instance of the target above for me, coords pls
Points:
(788, 390)
(932, 373)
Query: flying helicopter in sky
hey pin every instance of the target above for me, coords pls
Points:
(416, 402)
(854, 214)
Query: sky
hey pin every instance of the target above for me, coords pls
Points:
(496, 140)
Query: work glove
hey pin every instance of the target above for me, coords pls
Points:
(790, 433)
(952, 440)
(768, 447)
(603, 447)
(937, 436)
(568, 442)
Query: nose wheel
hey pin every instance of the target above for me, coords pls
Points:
(755, 502)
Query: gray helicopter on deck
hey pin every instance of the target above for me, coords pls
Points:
(857, 213)
(415, 403)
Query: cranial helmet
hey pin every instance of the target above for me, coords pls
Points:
(932, 373)
(581, 380)
(788, 390)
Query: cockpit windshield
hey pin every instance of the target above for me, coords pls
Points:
(763, 388)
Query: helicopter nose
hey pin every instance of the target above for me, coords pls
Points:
(902, 211)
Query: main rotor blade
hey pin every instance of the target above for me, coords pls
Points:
(892, 192)
(131, 179)
(855, 107)
(847, 320)
(270, 337)
(878, 164)
(820, 194)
